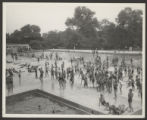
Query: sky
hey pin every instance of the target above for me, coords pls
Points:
(52, 16)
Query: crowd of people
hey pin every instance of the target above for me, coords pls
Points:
(95, 73)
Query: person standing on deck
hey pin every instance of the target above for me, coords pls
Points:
(133, 83)
(9, 80)
(140, 91)
(115, 89)
(38, 59)
(130, 99)
(46, 68)
(101, 100)
(60, 80)
(41, 77)
(64, 79)
(131, 61)
(36, 75)
(62, 66)
(120, 87)
(72, 78)
(110, 84)
(52, 76)
(52, 72)
(19, 76)
(56, 70)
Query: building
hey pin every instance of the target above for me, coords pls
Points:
(14, 48)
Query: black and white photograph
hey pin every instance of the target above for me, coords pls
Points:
(77, 60)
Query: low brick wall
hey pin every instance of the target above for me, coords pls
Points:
(89, 51)
(99, 51)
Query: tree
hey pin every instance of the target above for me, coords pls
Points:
(35, 29)
(84, 31)
(52, 39)
(25, 34)
(107, 34)
(31, 32)
(7, 37)
(84, 23)
(36, 44)
(131, 22)
(71, 38)
(16, 37)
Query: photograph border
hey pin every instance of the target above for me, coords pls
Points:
(66, 116)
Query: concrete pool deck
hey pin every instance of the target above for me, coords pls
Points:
(88, 97)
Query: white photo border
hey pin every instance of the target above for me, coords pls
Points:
(4, 4)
